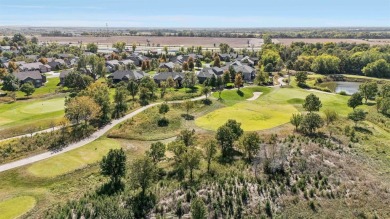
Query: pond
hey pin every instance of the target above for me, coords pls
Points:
(338, 86)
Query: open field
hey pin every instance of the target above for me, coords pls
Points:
(171, 41)
(200, 41)
(288, 41)
(15, 207)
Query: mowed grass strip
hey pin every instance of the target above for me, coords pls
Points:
(73, 160)
(16, 207)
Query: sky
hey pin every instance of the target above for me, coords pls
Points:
(195, 13)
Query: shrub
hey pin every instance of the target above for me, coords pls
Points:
(163, 122)
(343, 93)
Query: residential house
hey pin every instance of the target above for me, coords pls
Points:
(138, 59)
(163, 76)
(34, 58)
(35, 77)
(207, 73)
(5, 48)
(169, 66)
(35, 66)
(56, 64)
(127, 75)
(248, 73)
(63, 75)
(184, 58)
(224, 57)
(112, 65)
(126, 62)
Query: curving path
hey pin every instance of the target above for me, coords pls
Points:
(255, 96)
(32, 134)
(83, 142)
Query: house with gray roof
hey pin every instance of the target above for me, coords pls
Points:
(56, 63)
(127, 75)
(169, 66)
(248, 73)
(35, 66)
(35, 77)
(207, 73)
(163, 76)
(63, 75)
(112, 65)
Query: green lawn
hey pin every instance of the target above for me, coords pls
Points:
(273, 108)
(16, 117)
(231, 97)
(74, 159)
(16, 207)
(48, 88)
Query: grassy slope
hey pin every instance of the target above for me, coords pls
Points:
(75, 159)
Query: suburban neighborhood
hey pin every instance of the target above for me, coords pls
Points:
(202, 110)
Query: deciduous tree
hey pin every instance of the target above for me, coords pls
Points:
(357, 115)
(120, 97)
(355, 100)
(368, 90)
(296, 120)
(191, 160)
(210, 149)
(27, 88)
(311, 122)
(301, 77)
(312, 103)
(142, 174)
(250, 143)
(114, 165)
(238, 81)
(157, 151)
(81, 108)
(133, 88)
